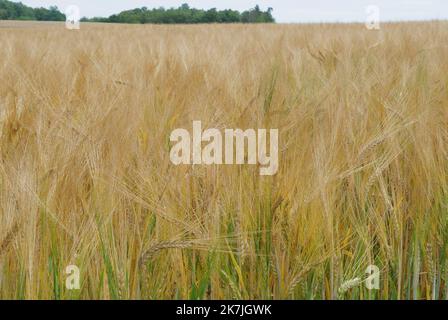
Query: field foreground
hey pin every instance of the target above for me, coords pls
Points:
(86, 179)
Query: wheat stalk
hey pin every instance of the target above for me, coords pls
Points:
(164, 245)
(349, 284)
(8, 239)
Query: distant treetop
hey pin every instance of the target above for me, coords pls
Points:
(17, 11)
(185, 14)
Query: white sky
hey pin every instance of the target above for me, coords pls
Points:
(284, 10)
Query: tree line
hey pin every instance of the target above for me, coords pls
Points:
(187, 15)
(17, 11)
(184, 14)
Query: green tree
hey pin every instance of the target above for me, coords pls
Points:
(185, 14)
(211, 16)
(3, 14)
(18, 11)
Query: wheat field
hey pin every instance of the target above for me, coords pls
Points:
(86, 179)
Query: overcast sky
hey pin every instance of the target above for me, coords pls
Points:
(284, 10)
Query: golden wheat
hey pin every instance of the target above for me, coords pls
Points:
(84, 144)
